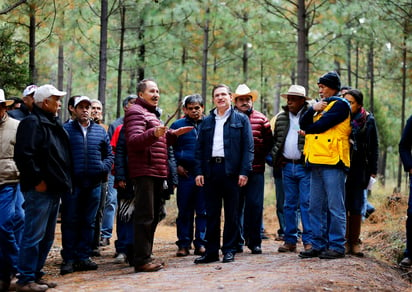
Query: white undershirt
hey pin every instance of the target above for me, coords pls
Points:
(84, 129)
(218, 149)
(291, 150)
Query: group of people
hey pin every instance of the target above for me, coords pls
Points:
(323, 155)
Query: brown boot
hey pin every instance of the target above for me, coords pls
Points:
(355, 222)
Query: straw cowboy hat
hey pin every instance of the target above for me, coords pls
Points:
(296, 90)
(3, 99)
(243, 90)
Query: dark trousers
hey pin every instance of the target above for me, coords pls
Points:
(408, 251)
(148, 193)
(99, 217)
(221, 188)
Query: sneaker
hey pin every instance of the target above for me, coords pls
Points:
(331, 254)
(67, 268)
(120, 258)
(406, 262)
(182, 252)
(85, 265)
(31, 287)
(287, 247)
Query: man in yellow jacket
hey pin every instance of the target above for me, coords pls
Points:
(327, 128)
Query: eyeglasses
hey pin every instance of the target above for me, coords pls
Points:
(196, 108)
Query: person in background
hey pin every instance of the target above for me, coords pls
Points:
(405, 152)
(11, 198)
(147, 152)
(223, 162)
(363, 166)
(252, 195)
(42, 155)
(288, 155)
(17, 102)
(28, 102)
(327, 127)
(190, 198)
(92, 161)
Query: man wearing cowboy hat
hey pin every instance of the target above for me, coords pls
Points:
(287, 154)
(11, 198)
(251, 196)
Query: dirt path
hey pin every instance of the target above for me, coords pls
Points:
(270, 271)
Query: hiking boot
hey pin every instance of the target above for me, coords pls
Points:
(31, 287)
(66, 268)
(287, 247)
(356, 249)
(331, 254)
(85, 265)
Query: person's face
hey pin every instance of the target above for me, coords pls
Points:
(354, 106)
(194, 111)
(295, 103)
(52, 104)
(325, 92)
(3, 109)
(222, 98)
(243, 103)
(96, 111)
(151, 94)
(28, 101)
(82, 112)
(129, 103)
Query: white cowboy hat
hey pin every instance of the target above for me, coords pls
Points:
(3, 99)
(296, 90)
(243, 90)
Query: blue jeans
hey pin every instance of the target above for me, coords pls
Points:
(296, 184)
(79, 210)
(109, 209)
(408, 251)
(11, 228)
(41, 209)
(251, 209)
(190, 202)
(327, 208)
(280, 199)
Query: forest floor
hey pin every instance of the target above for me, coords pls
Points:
(270, 271)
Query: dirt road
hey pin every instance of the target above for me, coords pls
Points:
(270, 271)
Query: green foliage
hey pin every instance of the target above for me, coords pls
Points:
(13, 63)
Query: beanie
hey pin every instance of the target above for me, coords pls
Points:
(331, 80)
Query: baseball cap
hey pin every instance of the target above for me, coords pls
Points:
(79, 99)
(46, 91)
(29, 90)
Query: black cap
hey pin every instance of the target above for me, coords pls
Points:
(331, 80)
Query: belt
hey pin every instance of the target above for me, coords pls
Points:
(294, 161)
(217, 159)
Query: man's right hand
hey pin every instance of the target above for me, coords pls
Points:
(41, 187)
(200, 180)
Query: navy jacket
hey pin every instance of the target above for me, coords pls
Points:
(92, 155)
(405, 146)
(238, 145)
(184, 147)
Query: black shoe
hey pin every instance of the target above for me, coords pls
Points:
(228, 257)
(85, 265)
(310, 253)
(256, 250)
(66, 268)
(331, 254)
(206, 259)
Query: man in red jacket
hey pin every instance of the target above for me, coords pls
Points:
(148, 168)
(251, 197)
